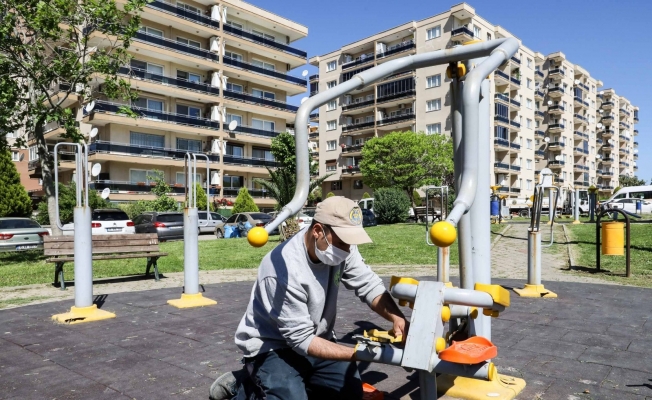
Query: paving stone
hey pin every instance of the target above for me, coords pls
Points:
(594, 339)
(551, 347)
(565, 390)
(628, 380)
(570, 370)
(156, 344)
(622, 359)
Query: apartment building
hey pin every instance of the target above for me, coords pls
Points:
(546, 110)
(198, 66)
(20, 157)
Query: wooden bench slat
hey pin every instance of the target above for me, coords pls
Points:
(112, 243)
(105, 250)
(108, 257)
(103, 237)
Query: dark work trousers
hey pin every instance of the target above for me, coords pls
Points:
(286, 375)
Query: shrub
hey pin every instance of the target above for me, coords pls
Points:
(244, 202)
(330, 194)
(416, 198)
(366, 195)
(134, 209)
(14, 200)
(391, 205)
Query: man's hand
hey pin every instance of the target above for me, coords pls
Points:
(400, 327)
(385, 306)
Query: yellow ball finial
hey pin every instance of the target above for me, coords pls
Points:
(257, 236)
(443, 234)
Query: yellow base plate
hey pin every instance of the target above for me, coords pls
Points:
(502, 387)
(192, 300)
(535, 291)
(576, 222)
(78, 315)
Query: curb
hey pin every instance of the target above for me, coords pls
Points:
(499, 236)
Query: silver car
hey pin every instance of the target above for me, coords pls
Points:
(209, 221)
(17, 234)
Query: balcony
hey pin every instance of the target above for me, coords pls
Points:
(635, 132)
(539, 75)
(359, 105)
(515, 126)
(580, 135)
(578, 102)
(248, 98)
(351, 170)
(502, 120)
(146, 154)
(501, 77)
(128, 187)
(540, 115)
(501, 144)
(515, 168)
(555, 164)
(248, 161)
(243, 65)
(608, 146)
(253, 37)
(350, 74)
(607, 160)
(514, 104)
(514, 146)
(165, 85)
(250, 130)
(581, 184)
(352, 150)
(607, 105)
(607, 188)
(255, 193)
(313, 135)
(363, 59)
(623, 125)
(175, 46)
(636, 119)
(635, 144)
(540, 133)
(314, 78)
(580, 168)
(558, 109)
(396, 121)
(556, 73)
(606, 173)
(358, 126)
(624, 113)
(183, 13)
(552, 128)
(539, 154)
(396, 49)
(395, 96)
(607, 133)
(623, 150)
(578, 151)
(502, 98)
(623, 138)
(462, 34)
(539, 95)
(580, 119)
(515, 80)
(623, 164)
(501, 167)
(314, 117)
(106, 112)
(599, 141)
(556, 92)
(556, 145)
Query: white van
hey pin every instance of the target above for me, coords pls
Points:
(632, 192)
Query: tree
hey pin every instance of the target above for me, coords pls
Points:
(330, 194)
(314, 196)
(46, 57)
(161, 189)
(366, 195)
(244, 202)
(202, 199)
(67, 204)
(407, 160)
(416, 199)
(626, 181)
(14, 200)
(391, 205)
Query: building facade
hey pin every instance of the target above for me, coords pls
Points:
(547, 111)
(198, 66)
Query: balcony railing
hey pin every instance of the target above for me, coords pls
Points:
(263, 71)
(184, 13)
(362, 60)
(624, 125)
(351, 169)
(608, 104)
(622, 110)
(539, 74)
(556, 126)
(501, 165)
(556, 71)
(143, 151)
(352, 149)
(314, 115)
(248, 161)
(553, 163)
(353, 106)
(501, 96)
(361, 125)
(102, 106)
(580, 117)
(501, 74)
(540, 133)
(140, 187)
(174, 82)
(556, 108)
(462, 31)
(398, 118)
(255, 193)
(264, 41)
(515, 124)
(261, 101)
(394, 96)
(514, 102)
(623, 137)
(540, 153)
(538, 93)
(175, 46)
(515, 79)
(502, 119)
(501, 142)
(556, 144)
(348, 75)
(556, 90)
(399, 48)
(249, 130)
(516, 60)
(581, 134)
(515, 167)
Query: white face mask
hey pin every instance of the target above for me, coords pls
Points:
(332, 255)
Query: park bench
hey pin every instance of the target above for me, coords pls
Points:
(61, 249)
(420, 214)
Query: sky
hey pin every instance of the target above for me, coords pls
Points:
(608, 38)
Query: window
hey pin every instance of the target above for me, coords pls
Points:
(188, 8)
(181, 178)
(528, 184)
(336, 185)
(33, 153)
(263, 64)
(433, 81)
(331, 84)
(233, 182)
(234, 150)
(232, 55)
(141, 175)
(145, 66)
(433, 128)
(331, 144)
(528, 103)
(190, 111)
(263, 125)
(357, 184)
(264, 35)
(151, 31)
(529, 63)
(15, 155)
(262, 154)
(155, 105)
(235, 24)
(529, 83)
(433, 33)
(332, 105)
(488, 36)
(233, 117)
(528, 123)
(331, 125)
(528, 163)
(187, 76)
(528, 144)
(564, 175)
(188, 42)
(331, 66)
(433, 105)
(263, 94)
(234, 87)
(331, 167)
(189, 144)
(476, 31)
(146, 139)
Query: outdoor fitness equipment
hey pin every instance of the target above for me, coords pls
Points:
(84, 309)
(533, 287)
(470, 375)
(443, 253)
(191, 297)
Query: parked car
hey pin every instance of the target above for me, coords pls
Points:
(106, 222)
(368, 218)
(629, 205)
(167, 225)
(18, 234)
(254, 218)
(208, 221)
(303, 219)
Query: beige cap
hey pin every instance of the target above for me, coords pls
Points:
(345, 217)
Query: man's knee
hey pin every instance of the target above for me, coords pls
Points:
(275, 375)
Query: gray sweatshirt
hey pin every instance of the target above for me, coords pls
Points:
(294, 299)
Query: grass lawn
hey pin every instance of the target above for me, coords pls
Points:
(613, 267)
(400, 244)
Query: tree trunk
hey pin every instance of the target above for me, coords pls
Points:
(46, 161)
(414, 206)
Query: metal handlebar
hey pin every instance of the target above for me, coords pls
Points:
(190, 165)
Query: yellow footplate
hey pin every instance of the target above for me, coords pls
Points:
(499, 294)
(498, 387)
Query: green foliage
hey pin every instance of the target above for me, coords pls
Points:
(67, 203)
(366, 195)
(407, 160)
(135, 208)
(391, 205)
(244, 202)
(617, 189)
(416, 199)
(627, 181)
(314, 196)
(161, 189)
(14, 200)
(330, 194)
(202, 200)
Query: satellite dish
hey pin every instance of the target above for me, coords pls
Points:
(549, 102)
(304, 100)
(232, 125)
(93, 132)
(601, 92)
(600, 111)
(635, 151)
(577, 81)
(503, 182)
(304, 73)
(610, 141)
(105, 193)
(597, 156)
(558, 158)
(599, 125)
(546, 139)
(97, 168)
(90, 106)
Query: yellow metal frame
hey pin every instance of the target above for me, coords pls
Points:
(79, 315)
(535, 291)
(191, 301)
